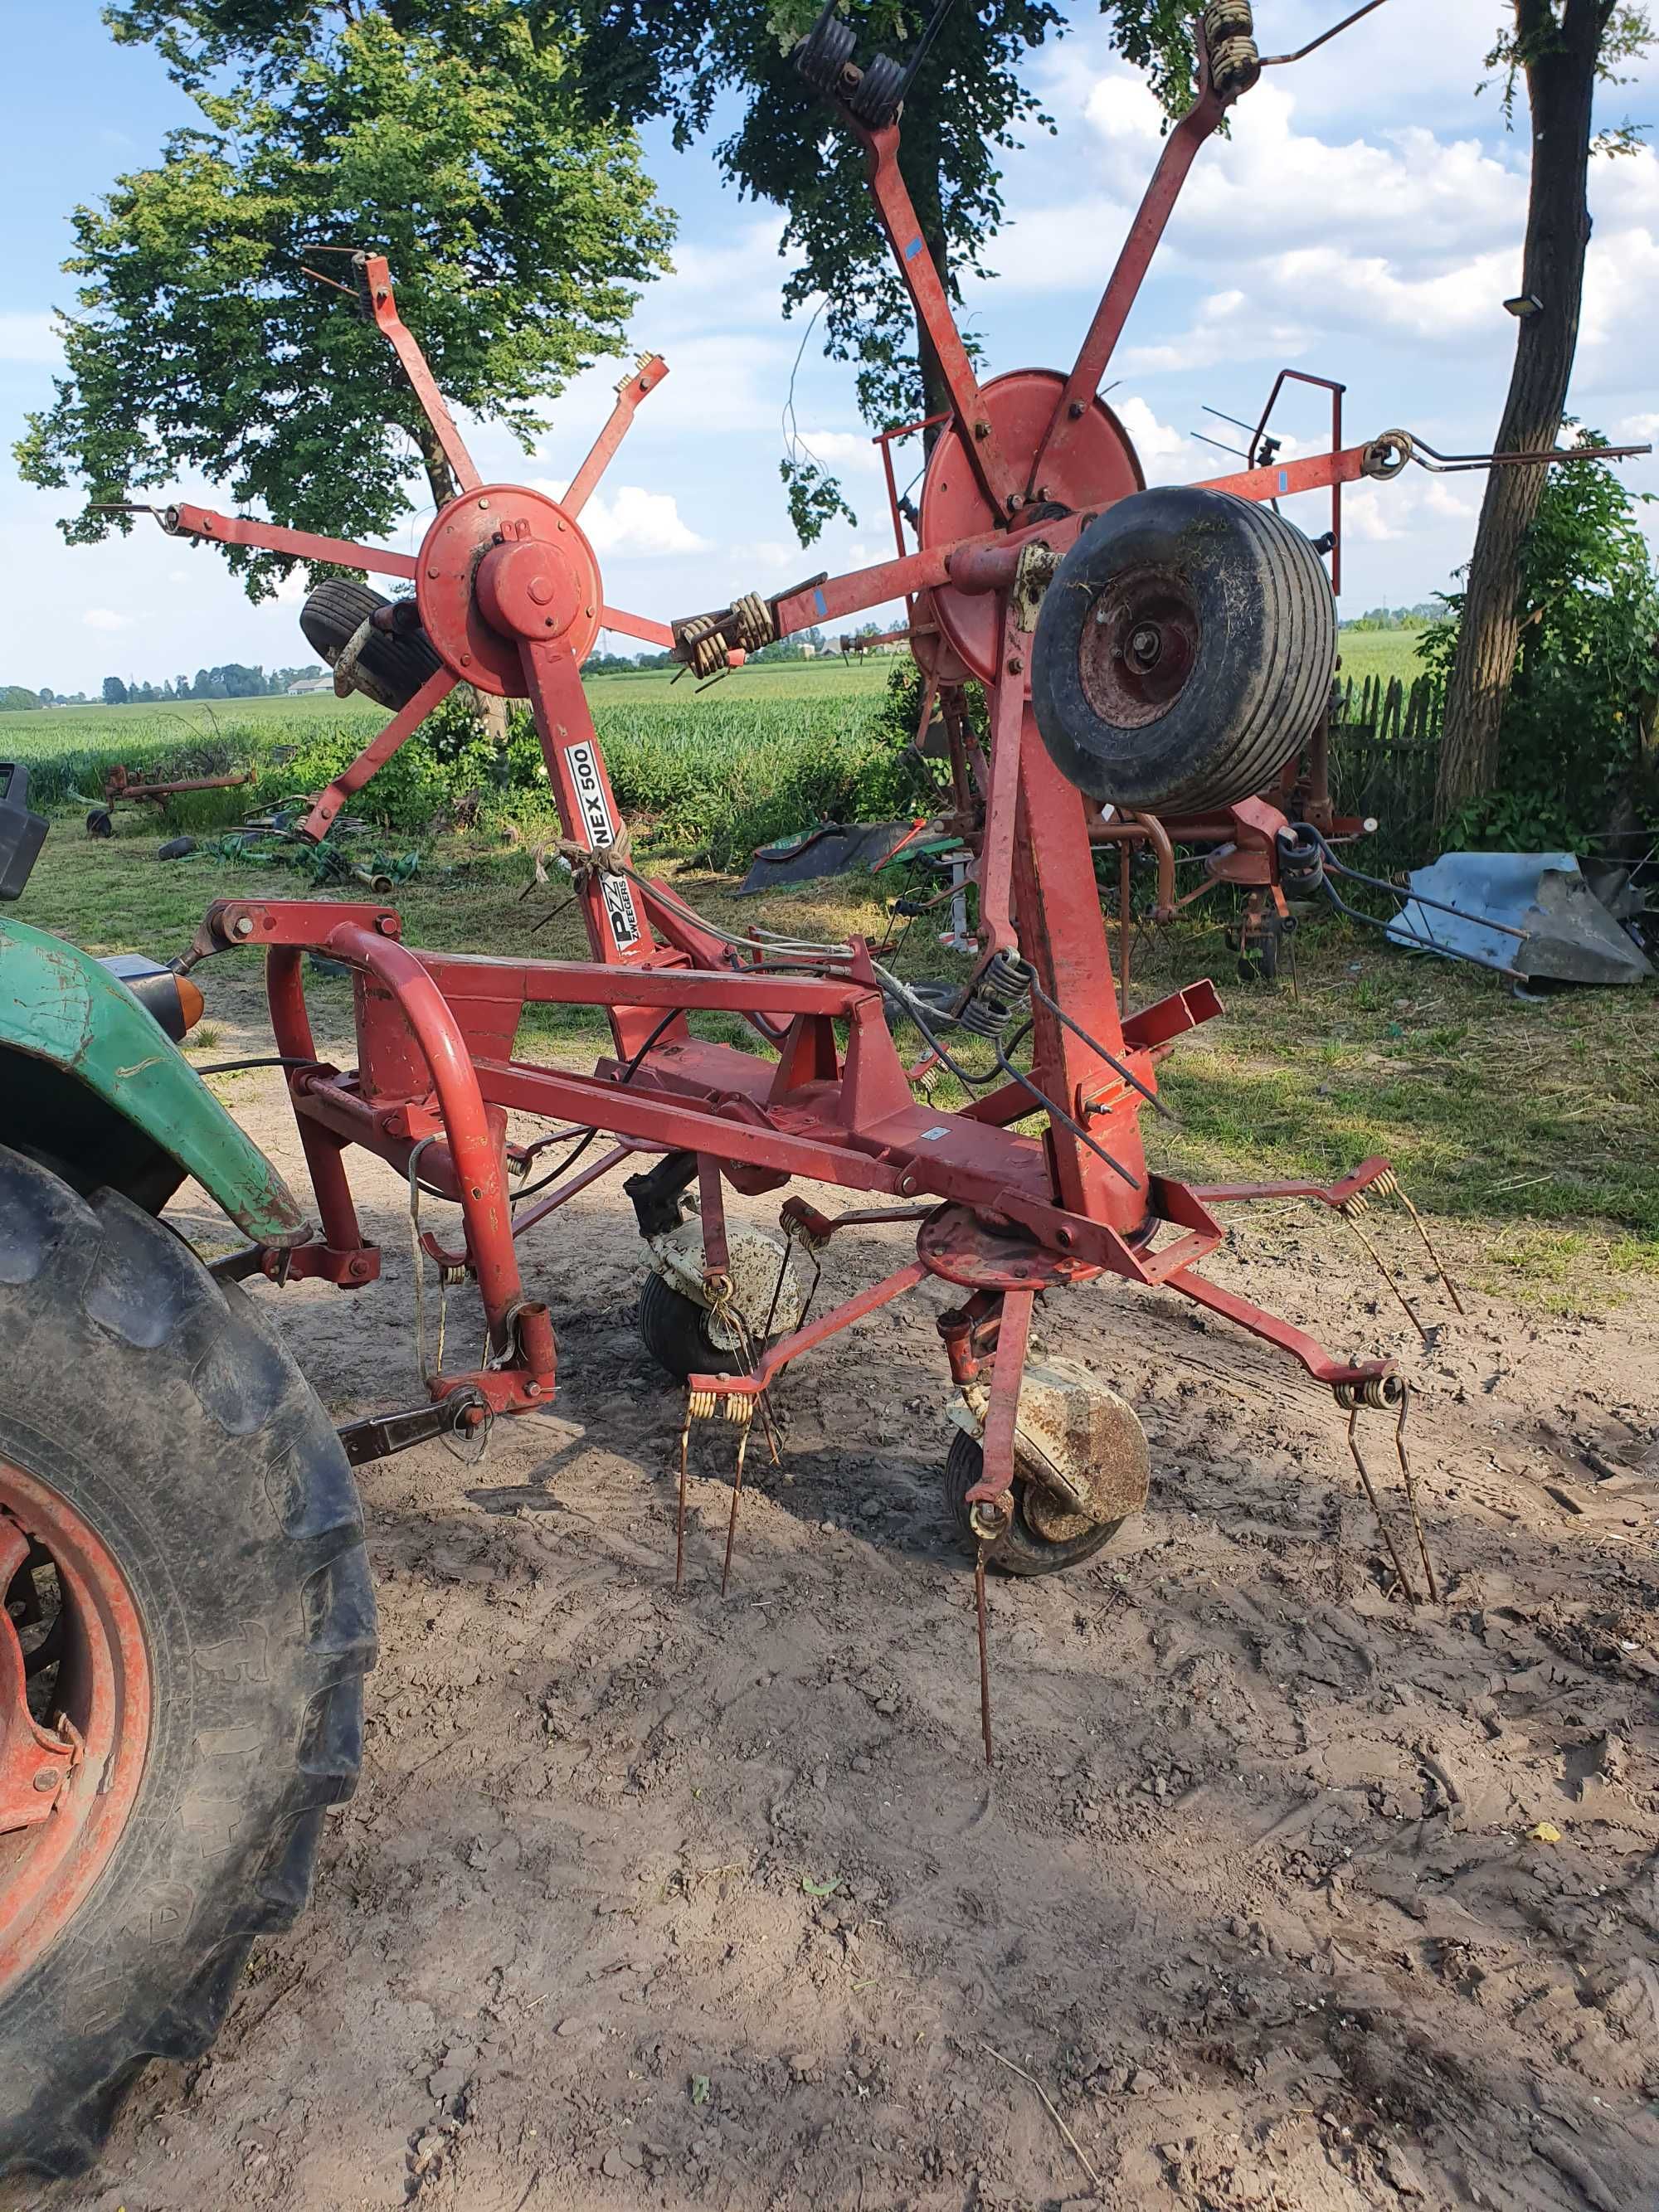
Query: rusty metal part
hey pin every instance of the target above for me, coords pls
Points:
(1350, 1210)
(984, 1655)
(1409, 1482)
(121, 784)
(1444, 465)
(1079, 1446)
(68, 1785)
(378, 1435)
(707, 1399)
(1278, 61)
(1407, 1590)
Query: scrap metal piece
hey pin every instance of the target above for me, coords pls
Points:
(1566, 934)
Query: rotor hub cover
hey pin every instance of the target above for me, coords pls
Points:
(503, 564)
(1099, 466)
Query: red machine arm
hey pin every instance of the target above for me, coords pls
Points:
(186, 521)
(644, 380)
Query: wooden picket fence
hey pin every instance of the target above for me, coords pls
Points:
(1385, 748)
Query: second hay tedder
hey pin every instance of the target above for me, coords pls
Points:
(1166, 651)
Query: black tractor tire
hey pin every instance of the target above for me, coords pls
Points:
(159, 1412)
(391, 666)
(101, 822)
(1021, 1549)
(674, 1329)
(1183, 651)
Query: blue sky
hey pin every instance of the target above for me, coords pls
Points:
(1364, 221)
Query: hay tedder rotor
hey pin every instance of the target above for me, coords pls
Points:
(188, 1616)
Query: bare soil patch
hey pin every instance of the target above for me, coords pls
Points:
(649, 1898)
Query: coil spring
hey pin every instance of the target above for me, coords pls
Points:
(1229, 40)
(703, 641)
(1380, 1391)
(752, 625)
(735, 1405)
(1003, 992)
(879, 94)
(1386, 1185)
(825, 51)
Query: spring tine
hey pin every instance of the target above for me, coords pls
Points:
(737, 1494)
(1411, 1499)
(1352, 1220)
(1370, 1494)
(984, 1659)
(679, 1521)
(1422, 1231)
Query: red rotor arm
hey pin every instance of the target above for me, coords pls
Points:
(646, 375)
(381, 301)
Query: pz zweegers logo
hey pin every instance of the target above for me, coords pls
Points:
(601, 829)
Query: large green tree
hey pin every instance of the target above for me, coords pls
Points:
(1561, 51)
(517, 220)
(639, 59)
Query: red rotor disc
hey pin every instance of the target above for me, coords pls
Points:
(445, 588)
(1098, 467)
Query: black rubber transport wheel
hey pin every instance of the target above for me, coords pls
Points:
(184, 1579)
(1022, 1549)
(675, 1331)
(1183, 651)
(390, 669)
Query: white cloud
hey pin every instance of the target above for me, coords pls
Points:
(105, 618)
(632, 519)
(25, 338)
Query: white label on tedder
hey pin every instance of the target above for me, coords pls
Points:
(601, 828)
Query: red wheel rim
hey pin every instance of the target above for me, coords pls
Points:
(79, 1752)
(1140, 646)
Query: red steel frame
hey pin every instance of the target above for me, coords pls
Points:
(1007, 1213)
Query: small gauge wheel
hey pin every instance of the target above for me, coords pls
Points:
(1042, 1538)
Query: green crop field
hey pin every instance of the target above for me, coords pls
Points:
(1383, 653)
(711, 769)
(707, 771)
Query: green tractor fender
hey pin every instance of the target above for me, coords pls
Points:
(89, 1078)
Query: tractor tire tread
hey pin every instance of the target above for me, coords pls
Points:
(255, 1466)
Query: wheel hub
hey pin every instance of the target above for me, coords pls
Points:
(75, 1714)
(1139, 646)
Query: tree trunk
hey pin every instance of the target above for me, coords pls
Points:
(1560, 64)
(491, 711)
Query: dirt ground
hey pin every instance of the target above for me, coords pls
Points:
(1280, 1895)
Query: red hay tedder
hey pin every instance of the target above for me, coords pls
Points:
(187, 1613)
(1168, 653)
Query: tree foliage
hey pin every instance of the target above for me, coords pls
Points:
(1575, 742)
(626, 61)
(517, 225)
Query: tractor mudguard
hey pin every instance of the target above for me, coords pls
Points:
(88, 1078)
